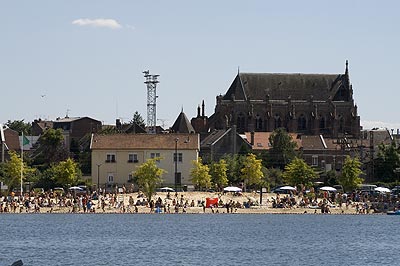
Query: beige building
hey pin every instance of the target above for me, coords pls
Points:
(115, 157)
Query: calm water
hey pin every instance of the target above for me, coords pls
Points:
(67, 239)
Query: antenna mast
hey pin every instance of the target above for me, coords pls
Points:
(151, 83)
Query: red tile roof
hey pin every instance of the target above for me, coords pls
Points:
(145, 141)
(261, 140)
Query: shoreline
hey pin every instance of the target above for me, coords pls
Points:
(189, 213)
(122, 207)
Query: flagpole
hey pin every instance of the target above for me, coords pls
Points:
(22, 159)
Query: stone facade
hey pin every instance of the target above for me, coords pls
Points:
(309, 104)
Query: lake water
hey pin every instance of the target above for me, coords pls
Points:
(199, 239)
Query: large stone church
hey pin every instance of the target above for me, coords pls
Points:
(309, 104)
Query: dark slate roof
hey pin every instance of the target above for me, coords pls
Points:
(72, 119)
(213, 137)
(132, 128)
(257, 86)
(12, 139)
(315, 142)
(43, 124)
(182, 125)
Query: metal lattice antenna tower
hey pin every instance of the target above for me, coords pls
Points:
(151, 82)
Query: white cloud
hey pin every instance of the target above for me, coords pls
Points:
(99, 22)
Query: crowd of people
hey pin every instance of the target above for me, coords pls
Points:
(363, 202)
(124, 202)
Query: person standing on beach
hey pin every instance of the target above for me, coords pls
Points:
(103, 203)
(131, 201)
(80, 203)
(84, 202)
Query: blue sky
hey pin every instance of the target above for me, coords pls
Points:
(87, 57)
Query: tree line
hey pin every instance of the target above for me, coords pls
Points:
(52, 164)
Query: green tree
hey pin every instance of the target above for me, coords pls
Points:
(51, 148)
(12, 171)
(298, 172)
(108, 130)
(148, 176)
(283, 149)
(273, 176)
(387, 161)
(219, 173)
(251, 173)
(138, 119)
(350, 178)
(67, 173)
(200, 174)
(330, 178)
(20, 126)
(234, 164)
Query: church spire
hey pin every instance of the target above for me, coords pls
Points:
(202, 109)
(346, 75)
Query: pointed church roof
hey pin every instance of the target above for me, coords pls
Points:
(182, 124)
(281, 86)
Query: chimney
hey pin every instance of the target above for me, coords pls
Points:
(118, 123)
(252, 138)
(234, 130)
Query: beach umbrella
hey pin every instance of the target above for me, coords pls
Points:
(167, 189)
(75, 188)
(287, 188)
(232, 189)
(382, 189)
(330, 189)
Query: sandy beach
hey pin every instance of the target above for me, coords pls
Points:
(197, 198)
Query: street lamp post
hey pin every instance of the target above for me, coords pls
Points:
(176, 164)
(98, 179)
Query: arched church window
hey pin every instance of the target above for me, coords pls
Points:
(302, 123)
(259, 123)
(341, 124)
(322, 123)
(278, 121)
(240, 121)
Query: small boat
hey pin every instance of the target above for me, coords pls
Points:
(393, 212)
